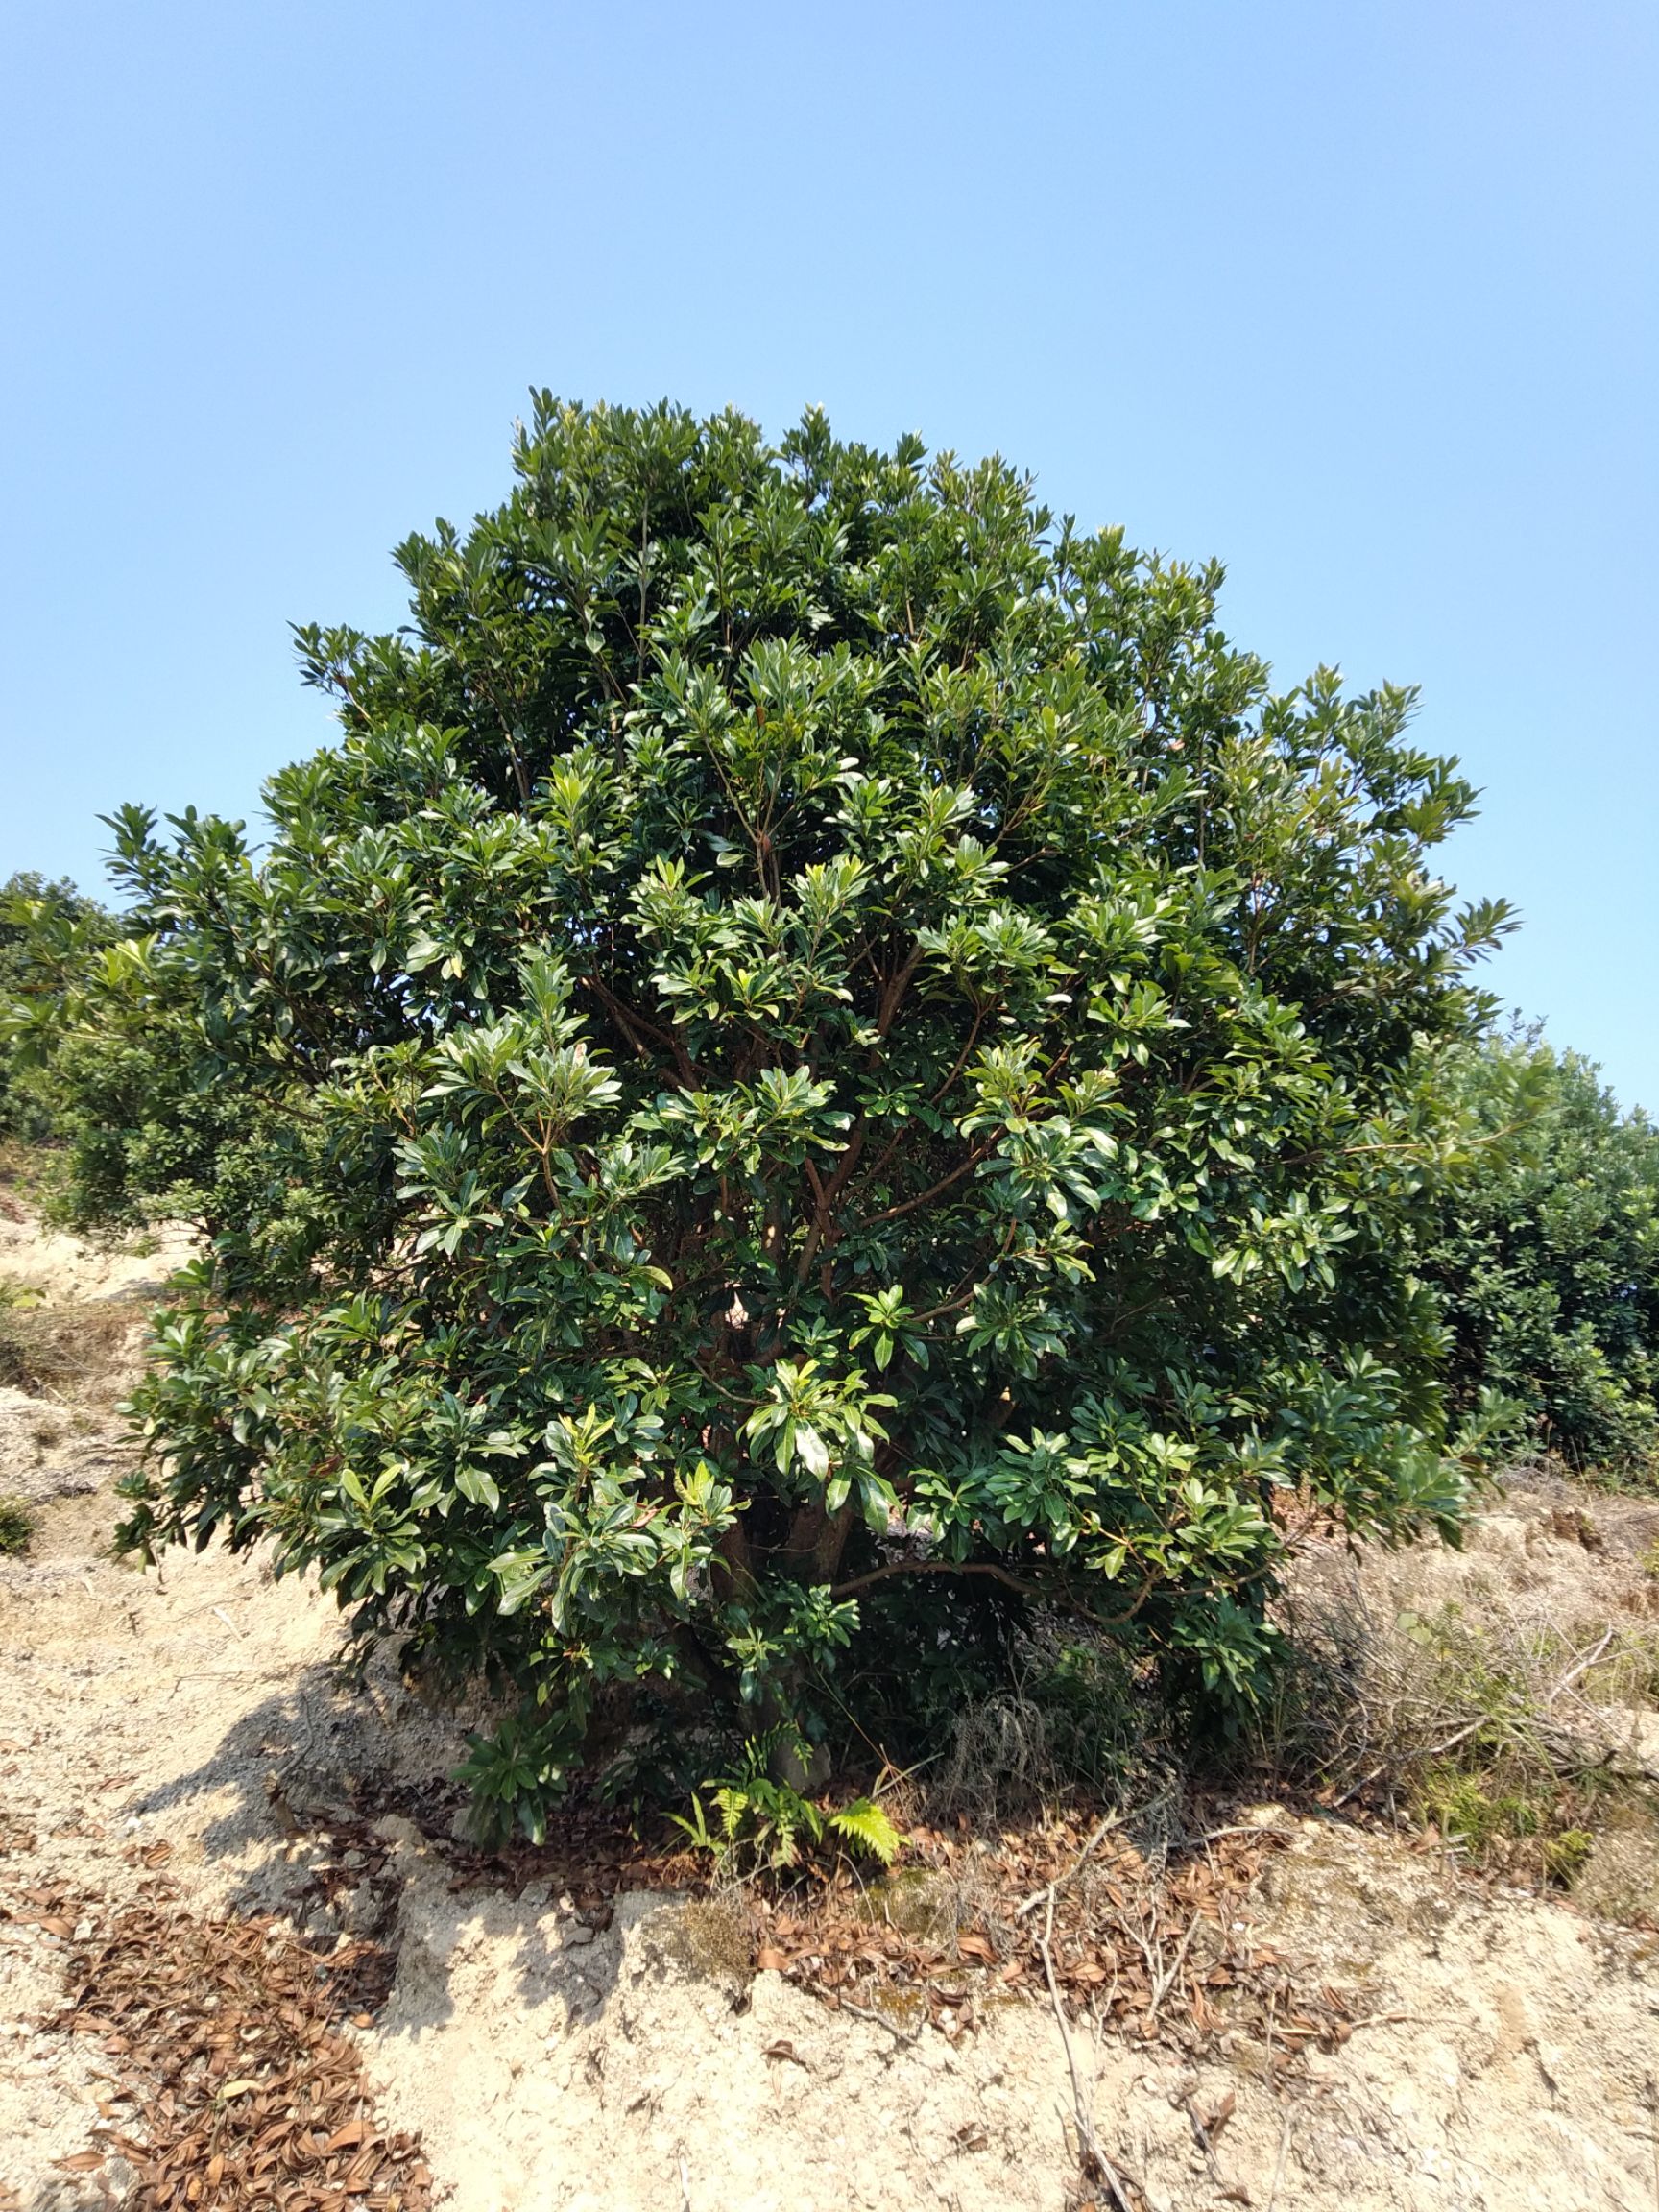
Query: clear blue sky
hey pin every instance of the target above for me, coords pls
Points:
(1361, 299)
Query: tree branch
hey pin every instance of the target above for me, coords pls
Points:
(938, 1567)
(909, 1205)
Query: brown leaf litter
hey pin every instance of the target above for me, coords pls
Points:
(241, 2090)
(1156, 1950)
(1156, 1953)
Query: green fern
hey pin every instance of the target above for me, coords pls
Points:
(767, 1819)
(766, 1824)
(702, 1837)
(865, 1824)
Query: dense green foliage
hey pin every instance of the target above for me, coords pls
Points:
(1545, 1256)
(823, 1065)
(47, 931)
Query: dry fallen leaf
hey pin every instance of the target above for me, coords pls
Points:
(976, 1946)
(785, 2049)
(769, 1960)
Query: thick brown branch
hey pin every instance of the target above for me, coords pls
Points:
(633, 1027)
(937, 1567)
(817, 1539)
(909, 1205)
(893, 997)
(996, 1574)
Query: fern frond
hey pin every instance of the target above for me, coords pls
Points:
(732, 1800)
(865, 1824)
(702, 1835)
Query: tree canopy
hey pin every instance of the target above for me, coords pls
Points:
(1545, 1256)
(823, 1063)
(47, 931)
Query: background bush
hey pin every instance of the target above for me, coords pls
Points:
(1545, 1256)
(47, 931)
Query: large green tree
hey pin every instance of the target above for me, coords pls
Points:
(824, 1061)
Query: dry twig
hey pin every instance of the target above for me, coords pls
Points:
(1053, 1888)
(1279, 2162)
(1082, 2104)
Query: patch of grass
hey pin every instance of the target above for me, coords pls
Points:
(58, 1348)
(14, 1303)
(1078, 1719)
(24, 1169)
(17, 1527)
(1501, 1729)
(1470, 1809)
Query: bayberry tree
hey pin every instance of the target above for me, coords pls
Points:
(824, 1064)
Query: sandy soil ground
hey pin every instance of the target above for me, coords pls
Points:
(193, 1720)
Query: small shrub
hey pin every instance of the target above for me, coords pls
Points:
(17, 1527)
(1468, 1810)
(510, 1775)
(1565, 1855)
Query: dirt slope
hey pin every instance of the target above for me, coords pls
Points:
(188, 1729)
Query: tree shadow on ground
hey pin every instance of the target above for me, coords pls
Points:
(332, 1802)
